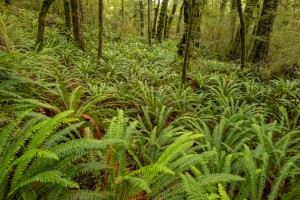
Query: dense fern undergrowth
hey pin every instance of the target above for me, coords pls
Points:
(73, 127)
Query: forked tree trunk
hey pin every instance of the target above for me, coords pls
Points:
(264, 29)
(100, 29)
(248, 14)
(169, 24)
(155, 18)
(149, 21)
(242, 33)
(77, 24)
(42, 23)
(142, 17)
(161, 20)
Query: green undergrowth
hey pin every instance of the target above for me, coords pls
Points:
(73, 127)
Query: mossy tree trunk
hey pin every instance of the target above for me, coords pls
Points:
(161, 20)
(182, 44)
(197, 20)
(188, 42)
(122, 9)
(233, 9)
(155, 18)
(261, 44)
(179, 19)
(242, 33)
(100, 29)
(77, 24)
(68, 20)
(42, 23)
(149, 21)
(169, 24)
(142, 17)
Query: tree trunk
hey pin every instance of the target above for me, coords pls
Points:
(155, 18)
(68, 20)
(168, 27)
(233, 8)
(142, 17)
(42, 23)
(179, 19)
(100, 29)
(161, 20)
(77, 24)
(149, 21)
(122, 9)
(183, 41)
(242, 33)
(264, 29)
(188, 41)
(8, 2)
(197, 19)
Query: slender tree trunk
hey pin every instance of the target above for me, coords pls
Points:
(122, 9)
(183, 42)
(161, 20)
(68, 20)
(165, 26)
(242, 33)
(149, 21)
(188, 41)
(233, 8)
(81, 10)
(77, 24)
(42, 23)
(168, 27)
(142, 17)
(155, 18)
(197, 20)
(100, 29)
(263, 35)
(179, 19)
(8, 2)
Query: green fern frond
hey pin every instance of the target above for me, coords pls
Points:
(54, 177)
(222, 192)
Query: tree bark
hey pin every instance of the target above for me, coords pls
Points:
(188, 41)
(233, 8)
(100, 29)
(8, 2)
(242, 33)
(161, 20)
(77, 24)
(142, 18)
(149, 21)
(122, 9)
(183, 41)
(179, 19)
(68, 20)
(42, 23)
(169, 24)
(264, 29)
(155, 18)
